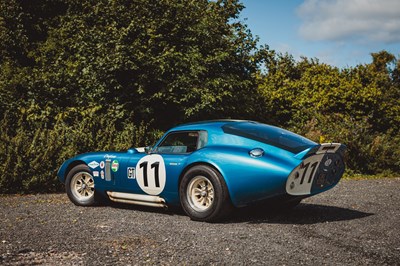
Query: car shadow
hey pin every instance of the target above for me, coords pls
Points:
(304, 213)
(169, 211)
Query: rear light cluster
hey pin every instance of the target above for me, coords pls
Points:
(332, 165)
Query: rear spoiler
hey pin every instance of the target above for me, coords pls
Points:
(321, 149)
(328, 148)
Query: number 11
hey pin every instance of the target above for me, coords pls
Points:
(156, 167)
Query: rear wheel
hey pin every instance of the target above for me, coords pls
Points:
(204, 195)
(79, 186)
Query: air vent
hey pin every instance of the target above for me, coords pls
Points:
(108, 170)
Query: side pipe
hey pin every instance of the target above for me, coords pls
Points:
(144, 200)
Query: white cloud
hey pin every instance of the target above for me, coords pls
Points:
(363, 20)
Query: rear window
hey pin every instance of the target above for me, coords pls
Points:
(270, 135)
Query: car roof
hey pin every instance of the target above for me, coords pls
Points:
(250, 130)
(207, 124)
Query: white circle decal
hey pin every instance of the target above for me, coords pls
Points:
(150, 174)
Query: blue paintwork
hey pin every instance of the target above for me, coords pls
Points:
(248, 179)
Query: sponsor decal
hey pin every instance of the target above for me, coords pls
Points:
(93, 164)
(107, 156)
(115, 166)
(102, 174)
(131, 172)
(102, 164)
(95, 173)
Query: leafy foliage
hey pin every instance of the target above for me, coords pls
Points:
(78, 76)
(33, 152)
(357, 106)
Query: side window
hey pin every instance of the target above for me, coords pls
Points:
(182, 142)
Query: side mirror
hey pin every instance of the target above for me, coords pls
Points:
(147, 149)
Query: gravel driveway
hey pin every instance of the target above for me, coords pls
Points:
(357, 223)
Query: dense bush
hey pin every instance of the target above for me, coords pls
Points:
(357, 106)
(33, 152)
(78, 76)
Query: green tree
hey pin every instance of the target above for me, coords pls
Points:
(357, 106)
(112, 66)
(166, 61)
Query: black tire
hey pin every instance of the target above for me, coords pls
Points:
(204, 195)
(79, 186)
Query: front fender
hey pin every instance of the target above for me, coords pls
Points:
(87, 158)
(66, 166)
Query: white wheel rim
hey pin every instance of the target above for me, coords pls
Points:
(82, 186)
(200, 193)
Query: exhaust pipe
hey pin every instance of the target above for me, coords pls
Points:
(144, 200)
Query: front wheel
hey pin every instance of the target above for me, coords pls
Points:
(79, 186)
(204, 195)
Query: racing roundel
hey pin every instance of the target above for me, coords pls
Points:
(115, 166)
(150, 174)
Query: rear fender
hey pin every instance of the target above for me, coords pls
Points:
(248, 179)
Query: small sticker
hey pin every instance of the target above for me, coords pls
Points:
(102, 164)
(115, 166)
(328, 162)
(102, 174)
(93, 164)
(131, 172)
(107, 156)
(95, 173)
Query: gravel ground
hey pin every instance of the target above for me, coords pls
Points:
(357, 223)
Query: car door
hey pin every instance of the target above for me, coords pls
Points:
(158, 172)
(125, 177)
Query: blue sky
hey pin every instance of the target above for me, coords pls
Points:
(342, 33)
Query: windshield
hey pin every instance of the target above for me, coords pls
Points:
(271, 135)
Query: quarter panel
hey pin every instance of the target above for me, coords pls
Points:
(249, 179)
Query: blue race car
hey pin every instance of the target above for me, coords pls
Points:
(208, 168)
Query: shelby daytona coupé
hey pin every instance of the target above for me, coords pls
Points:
(208, 168)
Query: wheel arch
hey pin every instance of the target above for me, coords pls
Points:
(70, 166)
(191, 165)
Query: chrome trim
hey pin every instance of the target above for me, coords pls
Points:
(257, 152)
(138, 199)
